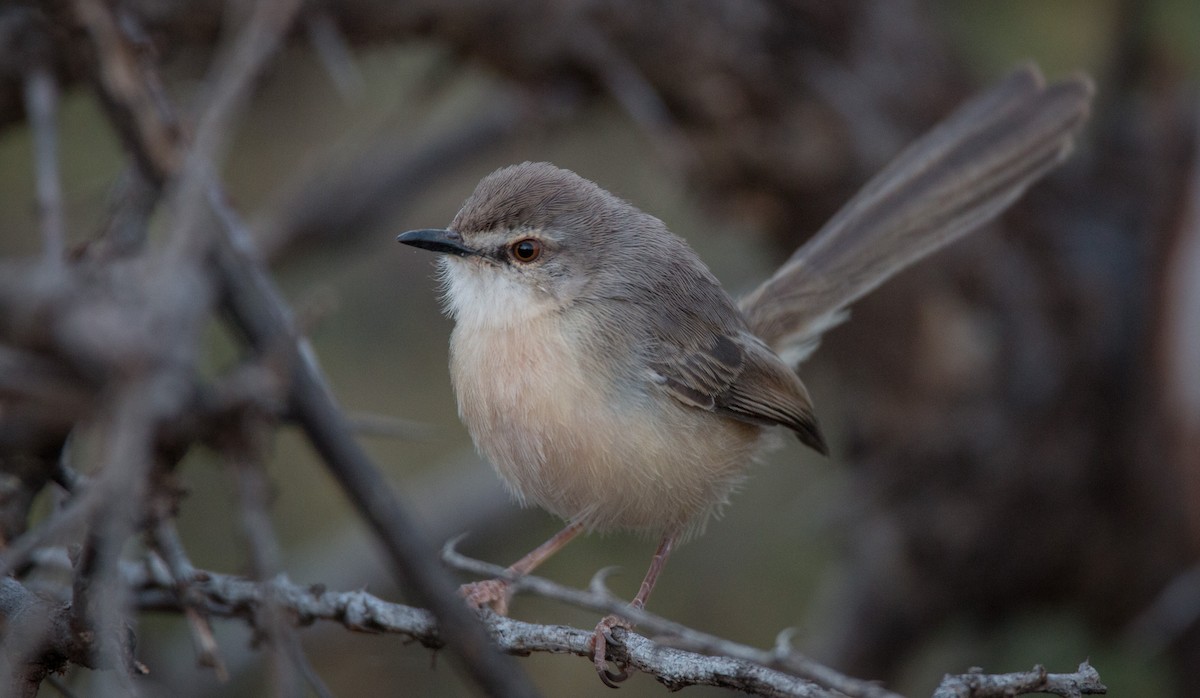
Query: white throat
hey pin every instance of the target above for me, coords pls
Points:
(478, 295)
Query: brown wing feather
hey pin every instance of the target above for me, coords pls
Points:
(739, 377)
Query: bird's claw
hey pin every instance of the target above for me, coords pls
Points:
(600, 640)
(493, 593)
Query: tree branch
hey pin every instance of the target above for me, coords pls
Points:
(782, 657)
(671, 660)
(165, 540)
(359, 611)
(36, 638)
(41, 103)
(975, 684)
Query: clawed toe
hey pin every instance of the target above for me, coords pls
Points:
(493, 593)
(600, 640)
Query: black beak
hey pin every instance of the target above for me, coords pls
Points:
(437, 240)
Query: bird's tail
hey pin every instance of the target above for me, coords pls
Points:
(954, 179)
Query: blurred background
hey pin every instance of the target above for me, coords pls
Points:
(1015, 423)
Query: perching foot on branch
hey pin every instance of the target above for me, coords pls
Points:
(493, 593)
(600, 640)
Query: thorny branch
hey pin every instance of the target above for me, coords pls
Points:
(166, 542)
(671, 657)
(361, 612)
(975, 684)
(598, 599)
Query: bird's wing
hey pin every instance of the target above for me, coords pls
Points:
(737, 376)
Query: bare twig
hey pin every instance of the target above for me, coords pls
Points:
(362, 612)
(335, 55)
(100, 597)
(132, 92)
(65, 522)
(387, 426)
(782, 657)
(234, 74)
(664, 659)
(122, 232)
(166, 541)
(447, 499)
(288, 659)
(1084, 682)
(197, 188)
(41, 104)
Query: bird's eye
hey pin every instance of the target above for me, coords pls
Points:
(526, 250)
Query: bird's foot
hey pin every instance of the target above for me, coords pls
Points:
(494, 593)
(600, 640)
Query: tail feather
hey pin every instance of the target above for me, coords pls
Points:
(951, 181)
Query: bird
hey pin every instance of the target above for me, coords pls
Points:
(607, 376)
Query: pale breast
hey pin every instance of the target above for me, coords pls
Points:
(563, 437)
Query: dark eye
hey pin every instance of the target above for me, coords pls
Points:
(526, 250)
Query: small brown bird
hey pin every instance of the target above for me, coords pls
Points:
(609, 378)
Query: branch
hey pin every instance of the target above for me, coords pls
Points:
(672, 662)
(976, 685)
(288, 660)
(131, 91)
(100, 601)
(236, 597)
(36, 639)
(782, 657)
(1084, 682)
(165, 540)
(41, 103)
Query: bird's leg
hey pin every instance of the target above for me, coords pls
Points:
(603, 634)
(497, 592)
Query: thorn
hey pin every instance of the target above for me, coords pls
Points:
(599, 585)
(450, 549)
(783, 642)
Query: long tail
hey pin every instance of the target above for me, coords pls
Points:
(957, 177)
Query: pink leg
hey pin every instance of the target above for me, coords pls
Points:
(496, 592)
(603, 634)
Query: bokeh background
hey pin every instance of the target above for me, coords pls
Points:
(1011, 482)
